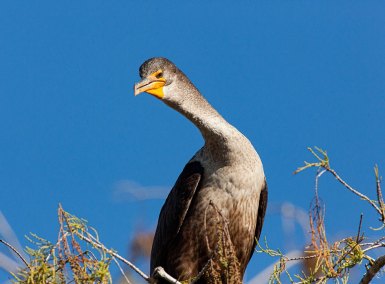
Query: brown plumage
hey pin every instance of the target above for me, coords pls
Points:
(208, 223)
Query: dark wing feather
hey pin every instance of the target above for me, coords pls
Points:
(174, 211)
(261, 215)
(261, 210)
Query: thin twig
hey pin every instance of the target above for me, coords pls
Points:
(372, 271)
(111, 252)
(324, 163)
(363, 196)
(15, 251)
(359, 228)
(56, 245)
(319, 174)
(379, 193)
(205, 227)
(121, 270)
(374, 246)
(213, 253)
(343, 257)
(301, 257)
(160, 272)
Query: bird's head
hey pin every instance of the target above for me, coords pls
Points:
(158, 75)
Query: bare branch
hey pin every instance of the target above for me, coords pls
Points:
(160, 273)
(373, 270)
(121, 270)
(325, 163)
(9, 235)
(16, 252)
(111, 252)
(322, 162)
(356, 192)
(359, 228)
(379, 193)
(8, 263)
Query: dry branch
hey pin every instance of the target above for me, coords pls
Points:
(375, 267)
(15, 251)
(334, 261)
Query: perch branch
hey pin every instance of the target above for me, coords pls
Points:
(372, 271)
(160, 273)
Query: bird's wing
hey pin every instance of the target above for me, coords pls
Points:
(261, 210)
(174, 210)
(261, 215)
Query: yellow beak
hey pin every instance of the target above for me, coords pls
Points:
(152, 85)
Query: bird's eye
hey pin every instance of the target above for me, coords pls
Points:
(159, 75)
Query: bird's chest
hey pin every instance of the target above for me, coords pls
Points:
(234, 194)
(229, 182)
(227, 203)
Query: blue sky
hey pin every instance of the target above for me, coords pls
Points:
(288, 74)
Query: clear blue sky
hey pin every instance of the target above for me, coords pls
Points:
(288, 74)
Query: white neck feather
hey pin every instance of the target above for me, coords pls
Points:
(220, 136)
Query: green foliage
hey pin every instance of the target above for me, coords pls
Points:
(79, 257)
(323, 260)
(320, 163)
(69, 260)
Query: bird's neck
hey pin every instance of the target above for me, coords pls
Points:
(213, 127)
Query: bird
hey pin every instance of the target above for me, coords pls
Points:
(208, 226)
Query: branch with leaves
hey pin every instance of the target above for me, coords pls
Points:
(333, 260)
(78, 256)
(324, 163)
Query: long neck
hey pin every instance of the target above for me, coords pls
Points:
(193, 106)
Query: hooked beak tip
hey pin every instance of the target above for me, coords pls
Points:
(136, 90)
